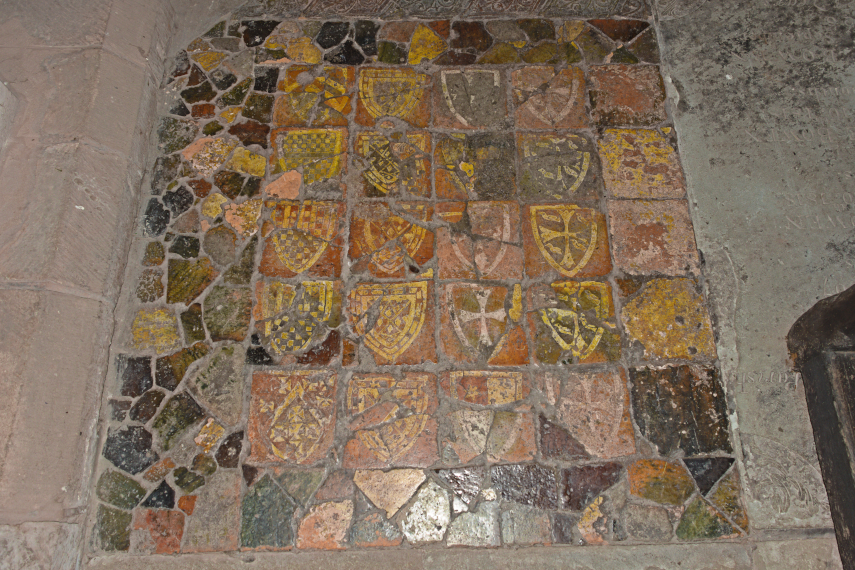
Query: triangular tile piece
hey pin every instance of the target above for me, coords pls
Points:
(620, 30)
(161, 498)
(557, 443)
(390, 490)
(301, 484)
(707, 471)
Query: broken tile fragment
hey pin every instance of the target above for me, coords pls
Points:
(525, 525)
(178, 414)
(113, 529)
(582, 484)
(165, 529)
(428, 518)
(425, 45)
(129, 449)
(660, 481)
(191, 322)
(266, 513)
(706, 471)
(163, 497)
(155, 329)
(476, 528)
(159, 470)
(388, 245)
(209, 435)
(227, 313)
(373, 530)
(532, 485)
(244, 217)
(397, 163)
(228, 454)
(647, 523)
(219, 383)
(326, 526)
(300, 484)
(726, 498)
(215, 524)
(220, 242)
(324, 101)
(135, 374)
(701, 521)
(389, 490)
(145, 408)
(187, 279)
(119, 490)
(170, 370)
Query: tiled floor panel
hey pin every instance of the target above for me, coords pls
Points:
(415, 282)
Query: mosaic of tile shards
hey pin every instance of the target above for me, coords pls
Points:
(410, 282)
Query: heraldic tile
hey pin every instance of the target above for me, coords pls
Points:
(423, 282)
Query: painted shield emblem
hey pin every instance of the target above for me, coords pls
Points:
(393, 412)
(395, 163)
(487, 388)
(378, 233)
(400, 312)
(488, 253)
(295, 329)
(569, 327)
(458, 87)
(566, 236)
(477, 313)
(292, 415)
(391, 92)
(554, 105)
(307, 230)
(554, 166)
(317, 151)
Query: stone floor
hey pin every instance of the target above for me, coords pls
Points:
(414, 282)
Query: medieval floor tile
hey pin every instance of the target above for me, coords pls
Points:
(681, 407)
(581, 485)
(726, 499)
(300, 484)
(291, 416)
(389, 490)
(266, 513)
(391, 420)
(558, 165)
(564, 240)
(660, 481)
(119, 490)
(425, 45)
(647, 523)
(476, 528)
(669, 319)
(546, 99)
(476, 327)
(593, 523)
(163, 531)
(178, 414)
(465, 484)
(653, 237)
(373, 530)
(306, 239)
(326, 526)
(627, 95)
(469, 98)
(155, 329)
(525, 525)
(486, 387)
(402, 331)
(393, 92)
(573, 322)
(594, 409)
(532, 485)
(499, 436)
(113, 530)
(641, 163)
(314, 98)
(320, 153)
(398, 163)
(706, 471)
(339, 485)
(215, 524)
(227, 313)
(474, 246)
(428, 518)
(701, 521)
(386, 245)
(475, 166)
(218, 385)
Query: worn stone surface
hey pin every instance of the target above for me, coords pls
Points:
(429, 516)
(525, 525)
(266, 513)
(300, 484)
(389, 490)
(215, 523)
(647, 523)
(119, 490)
(326, 526)
(374, 530)
(219, 384)
(479, 527)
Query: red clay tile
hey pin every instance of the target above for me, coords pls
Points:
(394, 164)
(549, 99)
(307, 239)
(631, 95)
(386, 245)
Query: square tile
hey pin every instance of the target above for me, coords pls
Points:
(564, 240)
(382, 436)
(641, 163)
(475, 166)
(492, 435)
(593, 409)
(486, 387)
(549, 99)
(305, 238)
(314, 98)
(476, 327)
(400, 93)
(394, 164)
(573, 322)
(321, 154)
(558, 166)
(481, 240)
(292, 416)
(627, 95)
(386, 245)
(651, 237)
(394, 321)
(470, 98)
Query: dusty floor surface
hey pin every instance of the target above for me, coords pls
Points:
(420, 282)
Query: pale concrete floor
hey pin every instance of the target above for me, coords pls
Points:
(761, 94)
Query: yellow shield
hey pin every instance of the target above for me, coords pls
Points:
(566, 235)
(401, 309)
(377, 234)
(308, 228)
(318, 151)
(569, 327)
(391, 92)
(294, 331)
(390, 436)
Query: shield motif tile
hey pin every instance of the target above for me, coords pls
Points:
(386, 245)
(482, 324)
(573, 322)
(292, 416)
(627, 95)
(310, 99)
(558, 166)
(305, 238)
(469, 98)
(320, 154)
(565, 240)
(394, 321)
(391, 421)
(394, 164)
(641, 163)
(486, 387)
(400, 93)
(480, 241)
(549, 99)
(475, 166)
